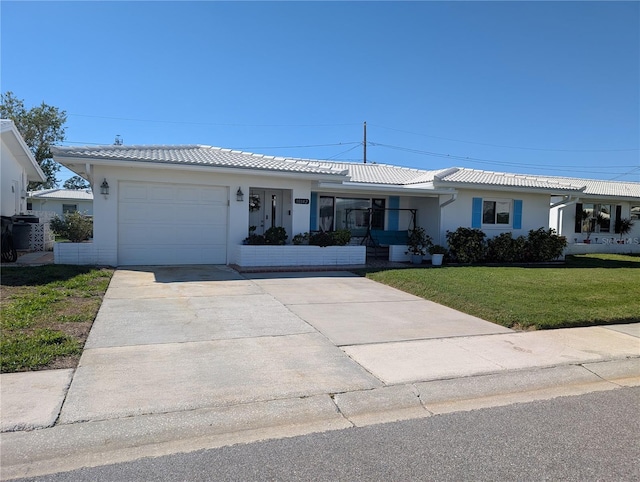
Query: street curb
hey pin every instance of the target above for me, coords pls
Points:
(67, 447)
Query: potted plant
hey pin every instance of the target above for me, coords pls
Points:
(590, 224)
(623, 226)
(418, 244)
(437, 253)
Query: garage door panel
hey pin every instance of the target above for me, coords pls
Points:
(172, 224)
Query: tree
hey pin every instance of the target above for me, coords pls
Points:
(41, 127)
(76, 183)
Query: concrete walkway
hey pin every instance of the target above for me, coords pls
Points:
(186, 358)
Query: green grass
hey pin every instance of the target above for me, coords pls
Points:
(587, 290)
(47, 312)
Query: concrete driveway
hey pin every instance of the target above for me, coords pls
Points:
(179, 338)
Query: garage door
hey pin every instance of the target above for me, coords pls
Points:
(160, 224)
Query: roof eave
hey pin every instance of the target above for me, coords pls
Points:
(383, 188)
(501, 188)
(77, 165)
(22, 153)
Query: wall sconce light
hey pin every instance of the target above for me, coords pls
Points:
(239, 195)
(104, 188)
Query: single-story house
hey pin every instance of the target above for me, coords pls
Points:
(60, 201)
(18, 168)
(194, 204)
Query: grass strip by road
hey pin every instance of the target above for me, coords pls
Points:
(587, 290)
(47, 312)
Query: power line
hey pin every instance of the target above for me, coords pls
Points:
(296, 147)
(483, 161)
(504, 146)
(208, 123)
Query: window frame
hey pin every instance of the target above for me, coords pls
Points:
(496, 201)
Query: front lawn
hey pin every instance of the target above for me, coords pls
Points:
(588, 290)
(47, 312)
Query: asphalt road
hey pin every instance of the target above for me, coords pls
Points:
(588, 437)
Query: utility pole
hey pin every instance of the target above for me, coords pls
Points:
(365, 142)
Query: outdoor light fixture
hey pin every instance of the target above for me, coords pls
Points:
(104, 188)
(239, 195)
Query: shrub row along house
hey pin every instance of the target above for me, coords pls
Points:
(195, 204)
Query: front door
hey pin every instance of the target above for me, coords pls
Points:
(265, 209)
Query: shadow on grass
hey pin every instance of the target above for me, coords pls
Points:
(586, 261)
(571, 261)
(586, 323)
(40, 275)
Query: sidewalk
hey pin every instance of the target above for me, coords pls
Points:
(185, 359)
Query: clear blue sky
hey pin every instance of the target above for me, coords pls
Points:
(528, 87)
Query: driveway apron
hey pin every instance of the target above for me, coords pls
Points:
(179, 338)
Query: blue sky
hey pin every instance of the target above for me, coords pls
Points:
(528, 87)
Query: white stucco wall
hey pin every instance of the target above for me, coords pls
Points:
(535, 212)
(14, 182)
(105, 211)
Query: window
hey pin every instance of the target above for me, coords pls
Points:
(597, 218)
(326, 213)
(69, 208)
(635, 213)
(377, 213)
(496, 212)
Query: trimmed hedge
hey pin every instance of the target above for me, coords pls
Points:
(469, 246)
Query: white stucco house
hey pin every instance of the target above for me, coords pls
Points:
(194, 204)
(60, 201)
(18, 168)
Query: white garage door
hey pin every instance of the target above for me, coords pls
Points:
(171, 224)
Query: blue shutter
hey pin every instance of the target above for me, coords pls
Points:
(313, 215)
(476, 213)
(517, 214)
(394, 216)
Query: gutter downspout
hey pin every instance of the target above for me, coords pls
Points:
(454, 197)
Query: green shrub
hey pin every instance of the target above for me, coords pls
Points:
(301, 238)
(341, 237)
(544, 245)
(76, 227)
(466, 245)
(272, 236)
(504, 248)
(275, 236)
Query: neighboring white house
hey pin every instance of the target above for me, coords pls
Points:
(60, 201)
(18, 168)
(194, 204)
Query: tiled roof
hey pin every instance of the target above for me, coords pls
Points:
(489, 178)
(80, 195)
(609, 188)
(587, 187)
(383, 174)
(197, 155)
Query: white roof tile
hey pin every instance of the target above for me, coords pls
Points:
(196, 155)
(383, 174)
(78, 195)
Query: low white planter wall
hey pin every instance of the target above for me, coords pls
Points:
(74, 253)
(292, 255)
(606, 245)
